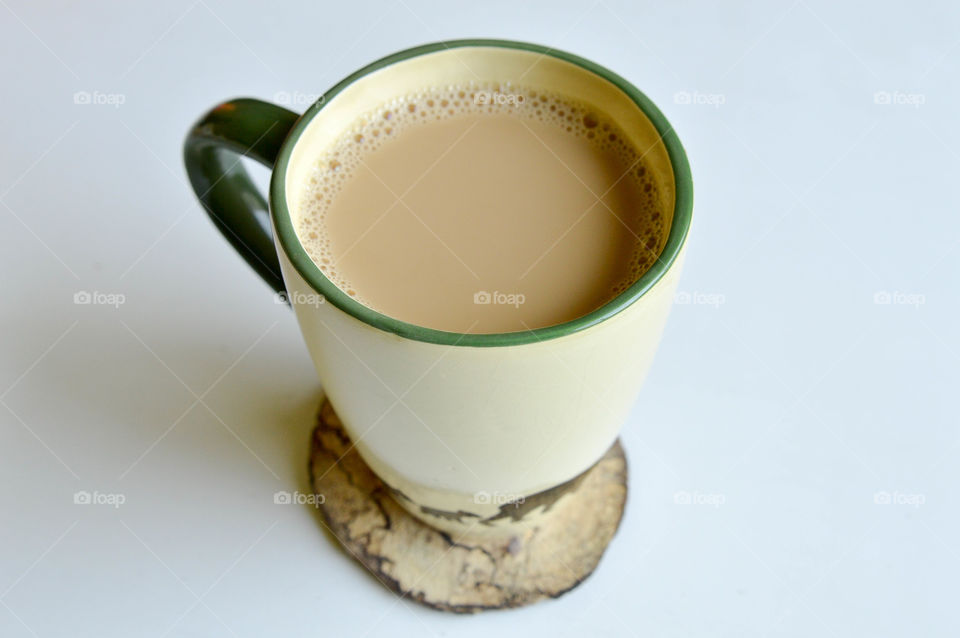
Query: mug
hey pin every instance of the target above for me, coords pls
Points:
(470, 432)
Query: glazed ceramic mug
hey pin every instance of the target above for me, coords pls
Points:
(461, 427)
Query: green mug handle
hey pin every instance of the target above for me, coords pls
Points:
(239, 128)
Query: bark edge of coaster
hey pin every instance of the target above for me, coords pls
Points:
(472, 574)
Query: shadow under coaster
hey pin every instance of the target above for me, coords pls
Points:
(477, 572)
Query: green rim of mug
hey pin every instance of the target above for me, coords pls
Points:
(311, 273)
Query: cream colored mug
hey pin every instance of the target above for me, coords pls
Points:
(463, 428)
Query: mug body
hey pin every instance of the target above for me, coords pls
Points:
(467, 429)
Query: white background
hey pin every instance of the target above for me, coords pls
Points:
(785, 401)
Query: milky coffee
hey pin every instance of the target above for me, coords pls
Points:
(482, 208)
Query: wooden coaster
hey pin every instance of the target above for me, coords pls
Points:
(471, 574)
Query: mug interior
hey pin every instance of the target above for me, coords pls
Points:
(472, 61)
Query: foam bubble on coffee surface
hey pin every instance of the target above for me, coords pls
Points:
(375, 128)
